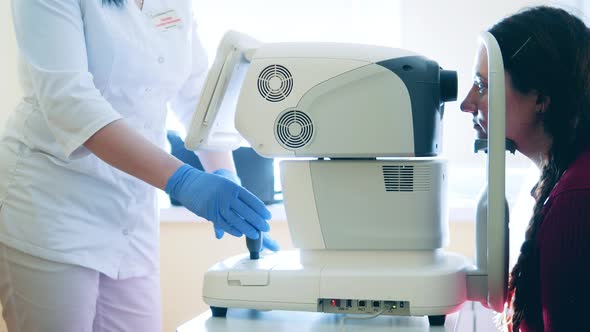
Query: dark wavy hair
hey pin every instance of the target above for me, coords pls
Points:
(546, 50)
(118, 3)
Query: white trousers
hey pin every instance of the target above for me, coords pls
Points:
(40, 295)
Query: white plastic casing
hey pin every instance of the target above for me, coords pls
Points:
(356, 107)
(488, 281)
(497, 211)
(366, 205)
(431, 281)
(212, 125)
(334, 85)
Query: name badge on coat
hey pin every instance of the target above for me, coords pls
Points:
(167, 20)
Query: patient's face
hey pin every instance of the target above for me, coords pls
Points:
(522, 119)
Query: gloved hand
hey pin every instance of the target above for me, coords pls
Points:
(232, 176)
(235, 179)
(230, 207)
(267, 241)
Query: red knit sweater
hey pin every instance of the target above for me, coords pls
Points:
(563, 244)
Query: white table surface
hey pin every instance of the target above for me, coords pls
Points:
(471, 318)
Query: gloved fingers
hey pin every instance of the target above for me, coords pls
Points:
(228, 227)
(254, 203)
(241, 225)
(250, 215)
(269, 243)
(228, 175)
(218, 232)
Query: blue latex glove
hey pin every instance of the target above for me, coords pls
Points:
(235, 179)
(267, 241)
(232, 176)
(229, 206)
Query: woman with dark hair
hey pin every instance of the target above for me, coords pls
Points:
(546, 54)
(80, 160)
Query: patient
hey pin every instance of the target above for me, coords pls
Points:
(546, 53)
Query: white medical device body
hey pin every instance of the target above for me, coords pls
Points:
(364, 191)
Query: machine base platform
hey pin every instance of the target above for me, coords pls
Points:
(408, 283)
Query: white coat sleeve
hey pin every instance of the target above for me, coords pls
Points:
(185, 102)
(51, 41)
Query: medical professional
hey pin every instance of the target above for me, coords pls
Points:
(546, 53)
(80, 160)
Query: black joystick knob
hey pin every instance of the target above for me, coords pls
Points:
(254, 246)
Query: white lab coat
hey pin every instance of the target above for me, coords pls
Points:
(82, 66)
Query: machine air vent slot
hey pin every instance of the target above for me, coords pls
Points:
(406, 178)
(275, 83)
(294, 129)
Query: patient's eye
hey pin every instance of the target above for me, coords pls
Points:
(482, 88)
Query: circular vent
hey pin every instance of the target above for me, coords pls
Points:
(294, 129)
(275, 83)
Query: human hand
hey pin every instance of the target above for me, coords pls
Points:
(267, 241)
(232, 176)
(230, 207)
(235, 179)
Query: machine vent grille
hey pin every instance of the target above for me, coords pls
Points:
(275, 83)
(406, 178)
(294, 129)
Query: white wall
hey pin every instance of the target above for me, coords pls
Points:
(581, 8)
(9, 87)
(375, 22)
